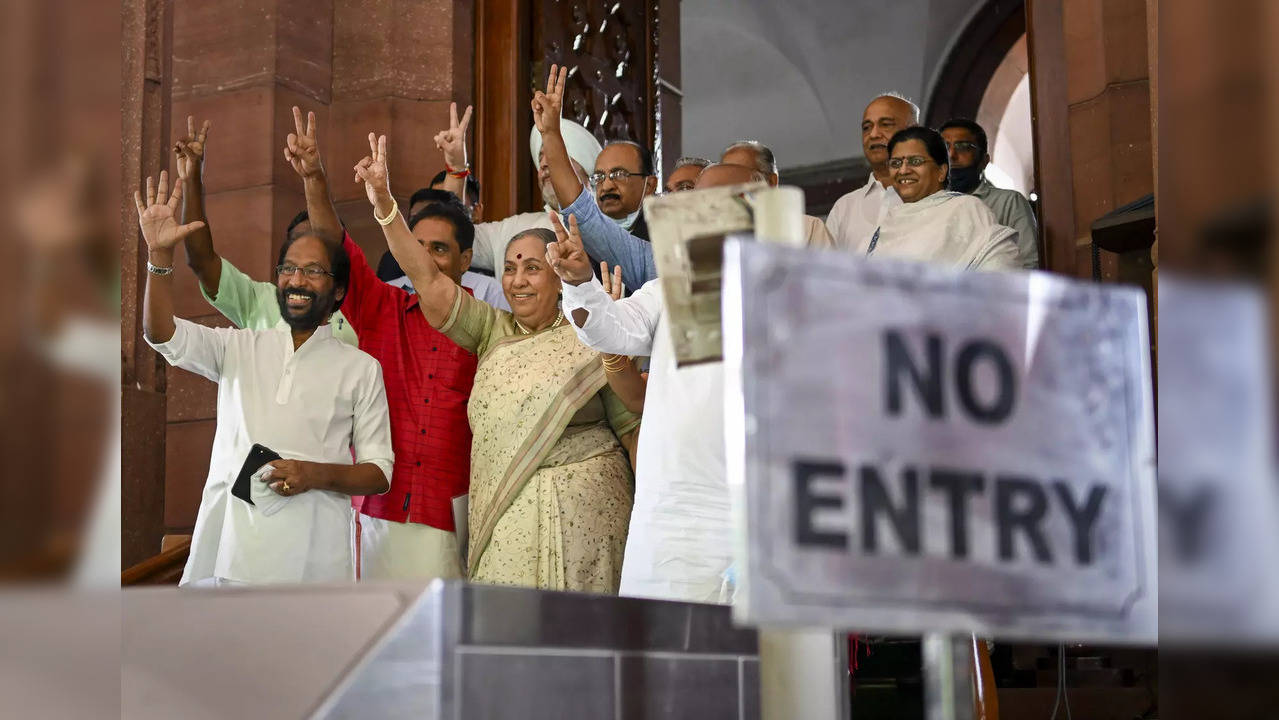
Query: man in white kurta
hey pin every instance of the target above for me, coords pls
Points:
(680, 538)
(321, 403)
(854, 217)
(315, 401)
(680, 541)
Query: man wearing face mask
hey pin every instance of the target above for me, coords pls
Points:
(623, 177)
(967, 146)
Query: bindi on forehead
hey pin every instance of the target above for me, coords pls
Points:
(519, 256)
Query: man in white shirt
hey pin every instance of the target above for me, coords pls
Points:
(680, 539)
(293, 389)
(854, 217)
(484, 287)
(753, 153)
(481, 285)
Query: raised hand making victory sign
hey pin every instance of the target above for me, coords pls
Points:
(301, 148)
(372, 171)
(452, 142)
(190, 150)
(567, 256)
(548, 105)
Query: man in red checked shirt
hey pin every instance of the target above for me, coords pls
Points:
(407, 532)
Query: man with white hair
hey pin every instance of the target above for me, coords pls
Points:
(853, 219)
(684, 175)
(757, 155)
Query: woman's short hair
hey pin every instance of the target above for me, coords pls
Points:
(932, 140)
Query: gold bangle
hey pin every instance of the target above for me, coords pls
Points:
(395, 208)
(614, 363)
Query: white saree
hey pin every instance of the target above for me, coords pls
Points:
(948, 228)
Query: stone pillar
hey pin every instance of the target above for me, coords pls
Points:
(1090, 90)
(146, 34)
(397, 64)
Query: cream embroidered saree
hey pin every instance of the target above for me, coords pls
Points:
(551, 488)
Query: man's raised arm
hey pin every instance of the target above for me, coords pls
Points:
(303, 153)
(547, 107)
(203, 260)
(602, 238)
(617, 327)
(435, 290)
(161, 231)
(452, 143)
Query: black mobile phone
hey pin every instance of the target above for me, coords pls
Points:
(258, 456)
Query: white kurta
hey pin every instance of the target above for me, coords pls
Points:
(854, 217)
(680, 539)
(948, 228)
(314, 404)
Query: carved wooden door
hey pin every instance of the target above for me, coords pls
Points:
(623, 60)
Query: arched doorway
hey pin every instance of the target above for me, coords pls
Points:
(985, 77)
(1004, 112)
(958, 87)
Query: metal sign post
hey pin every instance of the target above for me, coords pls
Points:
(948, 677)
(800, 674)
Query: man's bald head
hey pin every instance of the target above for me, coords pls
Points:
(884, 116)
(719, 175)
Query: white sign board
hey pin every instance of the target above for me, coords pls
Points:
(918, 449)
(1218, 490)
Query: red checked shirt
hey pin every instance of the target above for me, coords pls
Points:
(428, 381)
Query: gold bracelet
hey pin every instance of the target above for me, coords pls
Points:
(614, 363)
(395, 208)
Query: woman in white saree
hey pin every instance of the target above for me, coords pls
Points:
(933, 224)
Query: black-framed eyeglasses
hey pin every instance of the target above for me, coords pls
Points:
(913, 161)
(964, 146)
(616, 175)
(313, 272)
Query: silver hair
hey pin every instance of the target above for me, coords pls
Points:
(765, 162)
(757, 175)
(914, 109)
(690, 160)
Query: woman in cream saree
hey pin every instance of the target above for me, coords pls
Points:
(551, 487)
(550, 484)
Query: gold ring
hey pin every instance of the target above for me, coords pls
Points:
(285, 487)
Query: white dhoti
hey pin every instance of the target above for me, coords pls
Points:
(406, 551)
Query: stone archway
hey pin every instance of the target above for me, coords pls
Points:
(973, 59)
